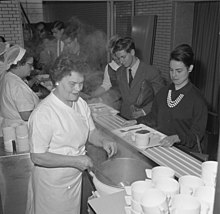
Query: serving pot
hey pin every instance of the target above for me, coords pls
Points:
(110, 176)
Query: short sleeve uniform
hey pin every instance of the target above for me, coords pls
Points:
(15, 96)
(57, 128)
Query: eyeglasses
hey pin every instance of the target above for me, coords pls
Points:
(41, 30)
(29, 63)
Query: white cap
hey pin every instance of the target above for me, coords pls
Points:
(14, 54)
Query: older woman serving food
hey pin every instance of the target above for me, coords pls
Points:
(59, 129)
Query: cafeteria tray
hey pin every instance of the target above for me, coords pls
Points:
(181, 162)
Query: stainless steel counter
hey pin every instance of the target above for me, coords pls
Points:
(14, 176)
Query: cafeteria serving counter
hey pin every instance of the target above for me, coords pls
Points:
(15, 168)
(15, 171)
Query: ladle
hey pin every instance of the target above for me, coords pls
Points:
(132, 129)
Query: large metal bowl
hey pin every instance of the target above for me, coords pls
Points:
(112, 174)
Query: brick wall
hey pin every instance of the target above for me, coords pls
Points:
(10, 21)
(10, 24)
(163, 9)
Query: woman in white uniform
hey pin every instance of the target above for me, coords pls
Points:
(59, 129)
(17, 100)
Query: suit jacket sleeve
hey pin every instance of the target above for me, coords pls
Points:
(154, 77)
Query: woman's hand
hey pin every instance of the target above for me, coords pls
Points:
(169, 140)
(94, 100)
(33, 81)
(137, 112)
(110, 147)
(83, 162)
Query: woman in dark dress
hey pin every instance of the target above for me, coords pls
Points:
(179, 110)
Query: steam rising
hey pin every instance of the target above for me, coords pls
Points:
(92, 50)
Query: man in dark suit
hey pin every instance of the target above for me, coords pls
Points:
(138, 82)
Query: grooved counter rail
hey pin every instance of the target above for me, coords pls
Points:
(178, 160)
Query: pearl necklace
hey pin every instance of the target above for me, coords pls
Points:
(174, 103)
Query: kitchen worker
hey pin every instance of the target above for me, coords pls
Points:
(58, 30)
(52, 46)
(3, 48)
(17, 100)
(179, 110)
(109, 92)
(3, 68)
(59, 129)
(136, 80)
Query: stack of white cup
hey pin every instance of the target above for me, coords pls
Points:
(22, 142)
(153, 194)
(209, 172)
(9, 135)
(184, 204)
(134, 195)
(164, 194)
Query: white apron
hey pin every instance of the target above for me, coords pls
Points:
(58, 190)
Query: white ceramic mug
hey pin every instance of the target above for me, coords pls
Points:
(209, 172)
(8, 136)
(9, 133)
(189, 184)
(138, 188)
(22, 145)
(168, 186)
(154, 202)
(184, 204)
(141, 138)
(160, 172)
(206, 196)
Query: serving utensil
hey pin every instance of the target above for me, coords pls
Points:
(132, 129)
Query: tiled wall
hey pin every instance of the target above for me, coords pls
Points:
(10, 21)
(163, 9)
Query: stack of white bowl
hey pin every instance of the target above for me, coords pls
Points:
(22, 142)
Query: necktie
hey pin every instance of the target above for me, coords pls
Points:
(130, 77)
(59, 48)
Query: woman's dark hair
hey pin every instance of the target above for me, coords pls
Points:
(64, 65)
(126, 44)
(183, 53)
(58, 25)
